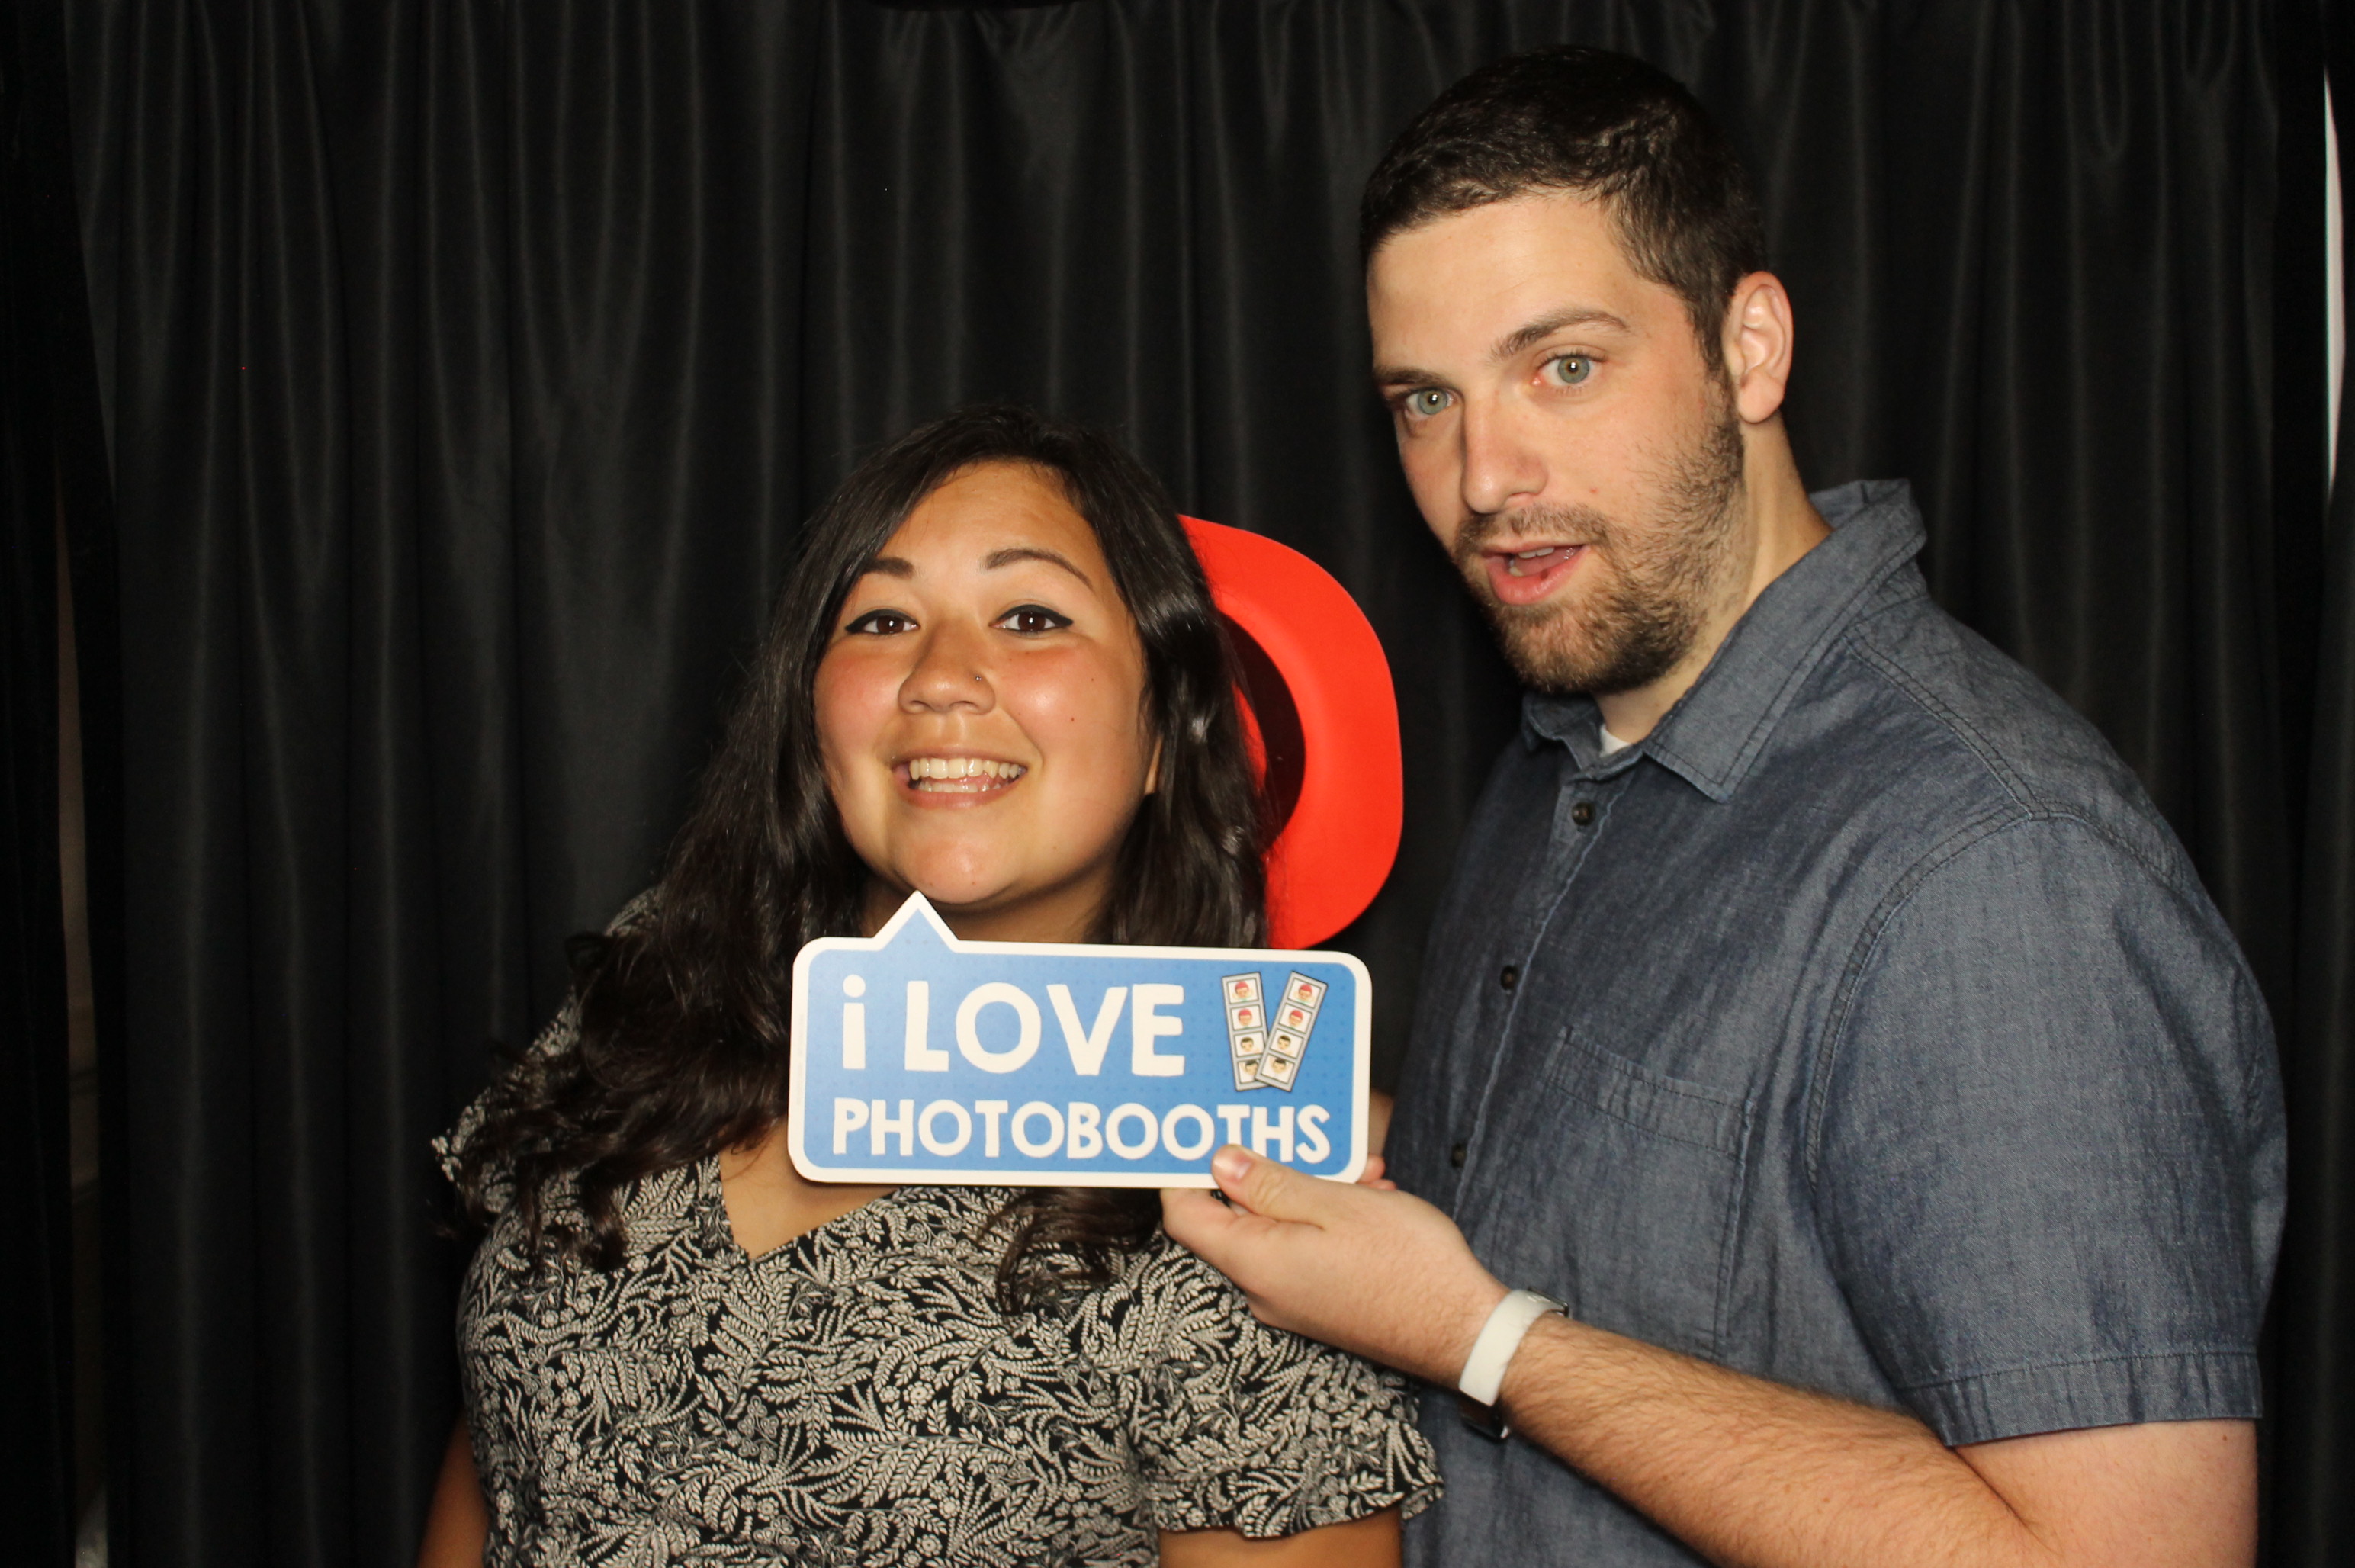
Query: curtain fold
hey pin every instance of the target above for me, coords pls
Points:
(468, 370)
(2312, 1512)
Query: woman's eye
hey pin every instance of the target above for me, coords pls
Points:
(881, 623)
(1568, 370)
(1424, 401)
(1032, 619)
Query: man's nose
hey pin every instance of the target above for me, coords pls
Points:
(951, 671)
(1501, 463)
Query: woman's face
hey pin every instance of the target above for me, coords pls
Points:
(981, 712)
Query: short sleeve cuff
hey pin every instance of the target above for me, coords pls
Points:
(1262, 1504)
(2114, 1390)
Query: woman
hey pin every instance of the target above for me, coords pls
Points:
(994, 676)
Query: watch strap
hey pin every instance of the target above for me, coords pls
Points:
(1509, 1323)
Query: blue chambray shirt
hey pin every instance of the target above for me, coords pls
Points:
(1863, 1027)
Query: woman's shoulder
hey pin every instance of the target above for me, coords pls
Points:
(1163, 1270)
(1238, 1424)
(1166, 1304)
(636, 914)
(559, 1035)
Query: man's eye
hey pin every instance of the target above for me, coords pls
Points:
(1568, 370)
(881, 623)
(1031, 620)
(1423, 402)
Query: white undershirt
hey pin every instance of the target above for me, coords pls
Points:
(1611, 742)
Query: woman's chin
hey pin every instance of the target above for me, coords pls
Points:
(963, 898)
(954, 892)
(1000, 909)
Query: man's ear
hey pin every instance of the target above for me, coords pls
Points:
(1757, 346)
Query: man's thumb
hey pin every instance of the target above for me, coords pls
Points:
(1271, 1191)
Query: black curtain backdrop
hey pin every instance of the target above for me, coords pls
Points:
(468, 370)
(53, 480)
(36, 1332)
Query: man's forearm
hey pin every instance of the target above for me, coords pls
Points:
(1762, 1475)
(1746, 1471)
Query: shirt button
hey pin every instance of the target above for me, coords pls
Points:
(1510, 976)
(1455, 1156)
(1582, 813)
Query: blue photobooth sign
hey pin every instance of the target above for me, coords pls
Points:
(919, 1058)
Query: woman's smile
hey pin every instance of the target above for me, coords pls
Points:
(958, 778)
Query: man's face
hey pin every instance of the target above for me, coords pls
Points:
(1564, 435)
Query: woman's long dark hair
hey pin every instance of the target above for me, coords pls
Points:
(684, 1010)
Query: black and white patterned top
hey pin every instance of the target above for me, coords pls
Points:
(855, 1396)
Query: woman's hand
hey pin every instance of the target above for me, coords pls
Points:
(1369, 1542)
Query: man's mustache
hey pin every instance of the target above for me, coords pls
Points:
(1560, 525)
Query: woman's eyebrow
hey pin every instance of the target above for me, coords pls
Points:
(1014, 552)
(890, 566)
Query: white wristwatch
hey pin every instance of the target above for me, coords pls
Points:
(1492, 1352)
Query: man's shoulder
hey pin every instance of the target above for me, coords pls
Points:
(1915, 715)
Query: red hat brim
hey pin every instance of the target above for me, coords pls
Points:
(1323, 719)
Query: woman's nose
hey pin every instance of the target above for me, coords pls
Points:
(950, 671)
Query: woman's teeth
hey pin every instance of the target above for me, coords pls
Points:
(960, 774)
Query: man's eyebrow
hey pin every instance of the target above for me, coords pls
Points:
(1405, 376)
(1512, 344)
(1014, 552)
(1545, 326)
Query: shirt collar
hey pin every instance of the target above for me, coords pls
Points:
(1717, 730)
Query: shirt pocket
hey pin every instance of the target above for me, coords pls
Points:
(1616, 1189)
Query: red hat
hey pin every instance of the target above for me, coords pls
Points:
(1322, 721)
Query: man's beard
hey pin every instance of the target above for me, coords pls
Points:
(1634, 623)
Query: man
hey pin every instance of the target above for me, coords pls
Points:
(1822, 1014)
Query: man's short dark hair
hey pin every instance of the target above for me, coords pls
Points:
(1599, 124)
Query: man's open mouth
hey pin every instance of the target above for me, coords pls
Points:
(1526, 576)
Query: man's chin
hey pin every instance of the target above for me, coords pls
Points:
(1554, 649)
(1550, 657)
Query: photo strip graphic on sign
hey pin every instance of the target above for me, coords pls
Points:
(920, 1058)
(1267, 1049)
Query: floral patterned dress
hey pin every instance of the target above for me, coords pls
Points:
(855, 1396)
